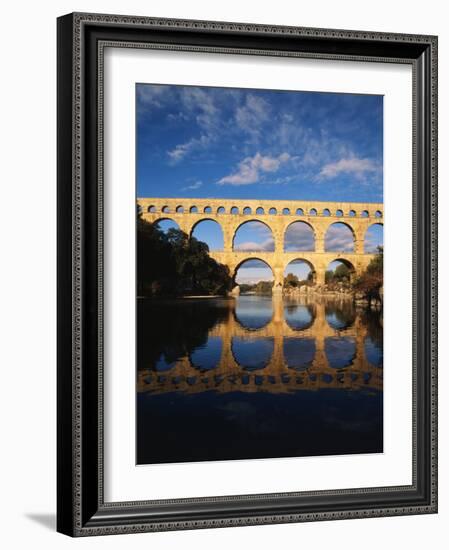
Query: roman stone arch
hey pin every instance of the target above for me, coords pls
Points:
(248, 258)
(307, 224)
(269, 213)
(251, 220)
(340, 223)
(347, 263)
(306, 261)
(216, 222)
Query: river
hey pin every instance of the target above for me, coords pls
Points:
(257, 377)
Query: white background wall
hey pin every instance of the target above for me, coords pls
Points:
(28, 283)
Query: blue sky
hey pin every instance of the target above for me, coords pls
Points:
(262, 144)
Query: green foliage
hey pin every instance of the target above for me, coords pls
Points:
(174, 264)
(371, 281)
(264, 287)
(291, 280)
(342, 274)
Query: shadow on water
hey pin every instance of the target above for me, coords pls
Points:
(257, 377)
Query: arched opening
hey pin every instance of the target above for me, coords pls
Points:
(339, 213)
(254, 277)
(272, 211)
(299, 236)
(326, 212)
(299, 273)
(207, 210)
(252, 354)
(180, 209)
(373, 351)
(166, 209)
(152, 209)
(352, 213)
(299, 353)
(247, 211)
(221, 210)
(260, 211)
(209, 232)
(378, 214)
(299, 212)
(365, 214)
(374, 238)
(286, 211)
(193, 210)
(253, 236)
(207, 357)
(313, 212)
(339, 238)
(340, 352)
(165, 224)
(340, 315)
(299, 316)
(234, 210)
(339, 272)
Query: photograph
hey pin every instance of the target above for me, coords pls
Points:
(259, 273)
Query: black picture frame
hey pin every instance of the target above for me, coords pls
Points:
(81, 510)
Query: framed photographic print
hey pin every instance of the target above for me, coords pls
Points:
(246, 274)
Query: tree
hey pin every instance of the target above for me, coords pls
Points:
(291, 280)
(175, 264)
(371, 281)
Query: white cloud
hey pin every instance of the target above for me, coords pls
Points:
(250, 168)
(195, 185)
(251, 246)
(183, 149)
(351, 165)
(252, 115)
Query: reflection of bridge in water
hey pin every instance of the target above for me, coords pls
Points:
(276, 376)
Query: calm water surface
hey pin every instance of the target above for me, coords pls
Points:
(257, 377)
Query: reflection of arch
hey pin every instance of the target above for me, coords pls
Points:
(299, 353)
(291, 227)
(299, 317)
(340, 352)
(207, 357)
(216, 224)
(336, 225)
(252, 222)
(252, 354)
(256, 317)
(339, 316)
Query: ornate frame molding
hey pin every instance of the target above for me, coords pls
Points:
(81, 42)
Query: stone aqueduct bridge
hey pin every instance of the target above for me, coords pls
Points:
(277, 376)
(278, 216)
